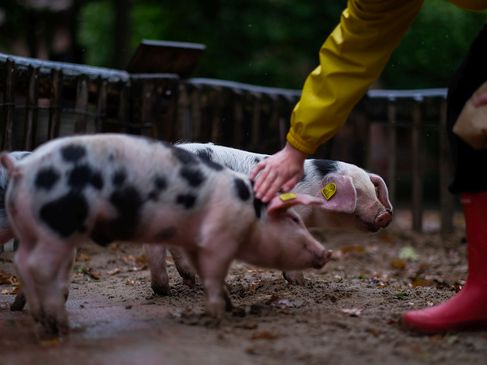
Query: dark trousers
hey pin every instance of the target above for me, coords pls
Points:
(470, 166)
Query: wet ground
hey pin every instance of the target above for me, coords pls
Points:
(347, 313)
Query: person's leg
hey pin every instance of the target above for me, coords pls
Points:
(469, 307)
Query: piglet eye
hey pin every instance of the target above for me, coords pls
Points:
(294, 219)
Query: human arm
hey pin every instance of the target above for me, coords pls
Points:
(351, 59)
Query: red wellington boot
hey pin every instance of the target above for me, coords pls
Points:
(468, 308)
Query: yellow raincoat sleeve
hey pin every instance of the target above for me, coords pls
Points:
(351, 59)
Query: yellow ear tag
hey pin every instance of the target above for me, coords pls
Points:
(287, 196)
(329, 190)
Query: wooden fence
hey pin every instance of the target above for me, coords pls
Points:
(42, 100)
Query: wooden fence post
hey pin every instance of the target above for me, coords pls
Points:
(416, 166)
(392, 161)
(31, 108)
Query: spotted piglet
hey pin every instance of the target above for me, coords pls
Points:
(6, 233)
(110, 187)
(361, 203)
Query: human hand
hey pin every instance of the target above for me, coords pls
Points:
(280, 171)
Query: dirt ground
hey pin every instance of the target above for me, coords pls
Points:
(347, 313)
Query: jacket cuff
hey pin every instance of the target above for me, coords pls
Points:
(302, 146)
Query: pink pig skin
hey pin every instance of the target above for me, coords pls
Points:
(116, 187)
(361, 202)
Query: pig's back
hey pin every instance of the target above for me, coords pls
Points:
(114, 187)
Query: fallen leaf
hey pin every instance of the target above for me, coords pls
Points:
(352, 312)
(114, 271)
(7, 279)
(137, 268)
(11, 291)
(401, 295)
(408, 253)
(398, 264)
(128, 259)
(285, 303)
(387, 237)
(415, 282)
(264, 335)
(90, 272)
(51, 343)
(353, 249)
(83, 257)
(452, 339)
(141, 260)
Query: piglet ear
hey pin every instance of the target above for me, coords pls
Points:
(282, 202)
(338, 193)
(381, 189)
(9, 164)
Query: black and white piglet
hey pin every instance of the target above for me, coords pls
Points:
(110, 187)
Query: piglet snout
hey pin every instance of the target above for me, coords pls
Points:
(322, 259)
(383, 219)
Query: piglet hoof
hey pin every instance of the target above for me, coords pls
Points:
(294, 277)
(49, 331)
(189, 278)
(189, 281)
(228, 300)
(161, 290)
(19, 303)
(216, 309)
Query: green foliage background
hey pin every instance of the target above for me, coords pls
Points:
(276, 42)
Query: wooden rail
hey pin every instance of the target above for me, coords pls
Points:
(43, 100)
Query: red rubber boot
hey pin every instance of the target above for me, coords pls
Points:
(468, 308)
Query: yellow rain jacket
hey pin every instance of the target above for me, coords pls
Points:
(351, 59)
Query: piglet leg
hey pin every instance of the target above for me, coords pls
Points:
(183, 266)
(19, 301)
(27, 289)
(294, 277)
(48, 265)
(156, 260)
(212, 262)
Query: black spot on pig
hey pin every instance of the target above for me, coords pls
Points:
(185, 157)
(128, 204)
(213, 165)
(166, 234)
(205, 154)
(96, 180)
(65, 215)
(160, 184)
(119, 177)
(324, 167)
(194, 177)
(256, 160)
(46, 178)
(186, 200)
(258, 206)
(82, 176)
(243, 191)
(73, 153)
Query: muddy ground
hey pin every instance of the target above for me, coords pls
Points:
(347, 313)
